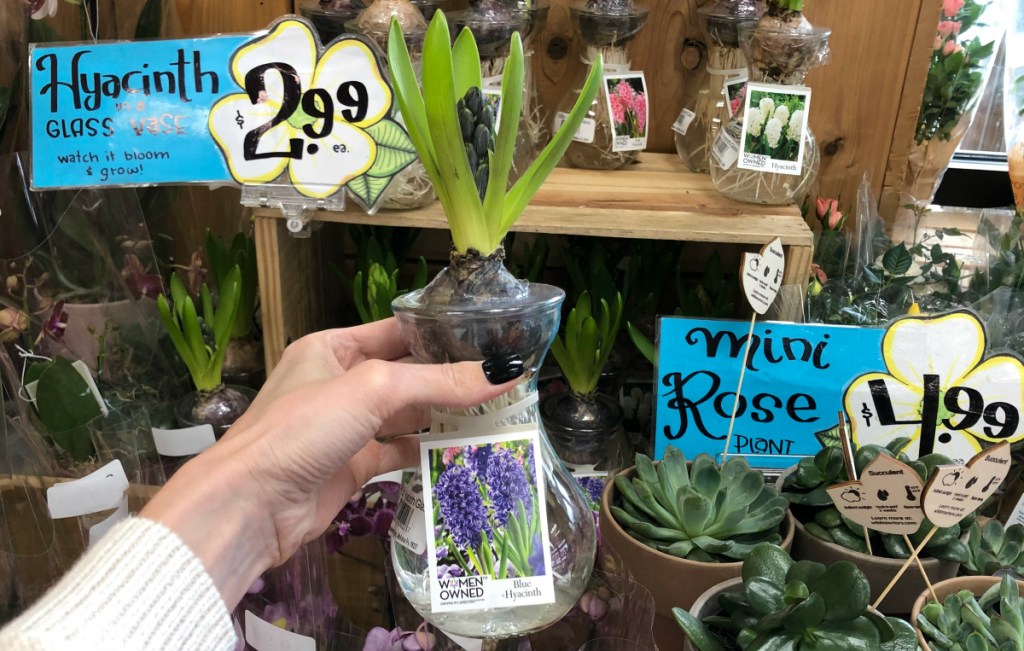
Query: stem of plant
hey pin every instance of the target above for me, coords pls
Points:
(895, 579)
(920, 566)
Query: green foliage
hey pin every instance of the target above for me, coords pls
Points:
(701, 513)
(222, 260)
(992, 622)
(64, 405)
(992, 548)
(806, 491)
(202, 342)
(713, 297)
(797, 606)
(379, 254)
(530, 261)
(432, 119)
(954, 79)
(583, 350)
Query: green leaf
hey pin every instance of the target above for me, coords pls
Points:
(829, 437)
(531, 180)
(644, 345)
(700, 636)
(466, 63)
(769, 562)
(512, 84)
(395, 150)
(368, 188)
(805, 615)
(897, 260)
(845, 589)
(65, 405)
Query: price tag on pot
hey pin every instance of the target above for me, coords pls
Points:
(586, 132)
(270, 108)
(954, 492)
(409, 528)
(726, 148)
(488, 544)
(774, 123)
(887, 498)
(626, 95)
(761, 275)
(682, 123)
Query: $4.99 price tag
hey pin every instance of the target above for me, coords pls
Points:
(940, 390)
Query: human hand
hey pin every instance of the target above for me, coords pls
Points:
(308, 443)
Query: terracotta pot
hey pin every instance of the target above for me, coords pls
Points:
(879, 570)
(707, 604)
(976, 584)
(672, 581)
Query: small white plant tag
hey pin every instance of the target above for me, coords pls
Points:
(98, 491)
(261, 635)
(183, 442)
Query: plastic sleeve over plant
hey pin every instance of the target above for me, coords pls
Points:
(1013, 96)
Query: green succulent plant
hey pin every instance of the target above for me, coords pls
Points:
(806, 488)
(702, 513)
(472, 178)
(797, 606)
(374, 291)
(992, 548)
(992, 622)
(201, 343)
(583, 351)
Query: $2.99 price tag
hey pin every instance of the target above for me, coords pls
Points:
(325, 119)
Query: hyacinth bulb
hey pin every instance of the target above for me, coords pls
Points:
(483, 489)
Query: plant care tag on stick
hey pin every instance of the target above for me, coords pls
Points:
(887, 498)
(954, 492)
(761, 275)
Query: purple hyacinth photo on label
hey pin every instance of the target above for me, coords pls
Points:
(488, 532)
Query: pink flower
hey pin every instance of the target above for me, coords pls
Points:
(625, 91)
(949, 28)
(818, 273)
(618, 108)
(951, 8)
(139, 283)
(951, 47)
(937, 45)
(640, 109)
(57, 322)
(734, 106)
(829, 214)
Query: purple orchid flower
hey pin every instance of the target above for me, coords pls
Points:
(139, 283)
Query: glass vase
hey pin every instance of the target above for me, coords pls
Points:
(492, 24)
(606, 27)
(780, 53)
(411, 188)
(474, 316)
(329, 16)
(580, 427)
(711, 106)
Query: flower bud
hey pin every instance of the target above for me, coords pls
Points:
(12, 323)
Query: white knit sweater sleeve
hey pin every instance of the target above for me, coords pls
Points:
(140, 587)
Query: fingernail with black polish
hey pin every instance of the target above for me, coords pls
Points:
(500, 369)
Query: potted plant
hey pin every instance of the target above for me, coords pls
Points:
(243, 359)
(782, 604)
(992, 548)
(823, 535)
(977, 613)
(202, 344)
(329, 16)
(681, 530)
(581, 421)
(475, 309)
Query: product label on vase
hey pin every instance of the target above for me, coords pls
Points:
(735, 88)
(627, 109)
(682, 123)
(929, 379)
(488, 542)
(409, 528)
(774, 122)
(584, 134)
(726, 148)
(262, 635)
(271, 108)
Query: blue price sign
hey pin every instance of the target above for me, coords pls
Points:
(270, 108)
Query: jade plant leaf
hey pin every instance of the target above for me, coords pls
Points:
(845, 589)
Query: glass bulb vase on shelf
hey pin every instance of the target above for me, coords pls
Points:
(717, 100)
(411, 188)
(329, 16)
(492, 23)
(486, 458)
(767, 154)
(615, 129)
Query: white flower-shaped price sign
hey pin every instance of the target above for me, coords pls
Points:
(939, 389)
(322, 119)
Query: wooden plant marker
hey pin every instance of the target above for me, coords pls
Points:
(887, 498)
(955, 491)
(761, 278)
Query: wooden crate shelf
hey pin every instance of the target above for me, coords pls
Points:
(653, 199)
